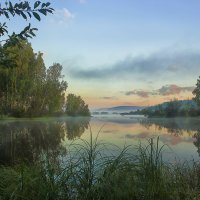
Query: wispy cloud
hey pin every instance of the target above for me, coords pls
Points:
(67, 14)
(162, 64)
(109, 98)
(140, 93)
(62, 16)
(82, 1)
(173, 89)
(165, 90)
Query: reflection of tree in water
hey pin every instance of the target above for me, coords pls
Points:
(196, 136)
(175, 131)
(75, 127)
(28, 141)
(171, 125)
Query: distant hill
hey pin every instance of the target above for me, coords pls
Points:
(120, 109)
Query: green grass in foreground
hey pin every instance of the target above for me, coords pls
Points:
(87, 174)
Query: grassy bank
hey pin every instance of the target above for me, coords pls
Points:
(87, 173)
(44, 118)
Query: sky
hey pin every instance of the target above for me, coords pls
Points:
(122, 52)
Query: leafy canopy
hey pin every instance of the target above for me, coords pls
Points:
(25, 10)
(75, 106)
(196, 92)
(27, 87)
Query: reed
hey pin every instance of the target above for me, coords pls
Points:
(87, 173)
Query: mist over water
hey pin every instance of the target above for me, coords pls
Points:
(27, 141)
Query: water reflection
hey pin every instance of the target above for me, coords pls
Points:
(174, 126)
(197, 141)
(76, 126)
(28, 141)
(177, 128)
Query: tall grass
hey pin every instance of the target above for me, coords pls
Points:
(87, 173)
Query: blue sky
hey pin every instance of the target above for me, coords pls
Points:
(102, 31)
(120, 47)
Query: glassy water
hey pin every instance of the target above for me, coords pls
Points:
(28, 140)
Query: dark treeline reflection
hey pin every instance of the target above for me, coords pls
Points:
(174, 126)
(75, 127)
(196, 136)
(29, 141)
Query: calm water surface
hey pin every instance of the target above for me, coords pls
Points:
(28, 140)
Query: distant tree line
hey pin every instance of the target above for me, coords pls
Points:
(29, 89)
(174, 108)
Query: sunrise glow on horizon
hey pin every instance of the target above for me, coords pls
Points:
(130, 52)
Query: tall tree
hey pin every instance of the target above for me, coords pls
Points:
(54, 90)
(26, 86)
(196, 92)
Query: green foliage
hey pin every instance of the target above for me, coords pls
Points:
(174, 108)
(75, 106)
(25, 10)
(27, 88)
(196, 92)
(171, 109)
(88, 174)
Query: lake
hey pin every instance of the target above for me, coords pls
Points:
(27, 140)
